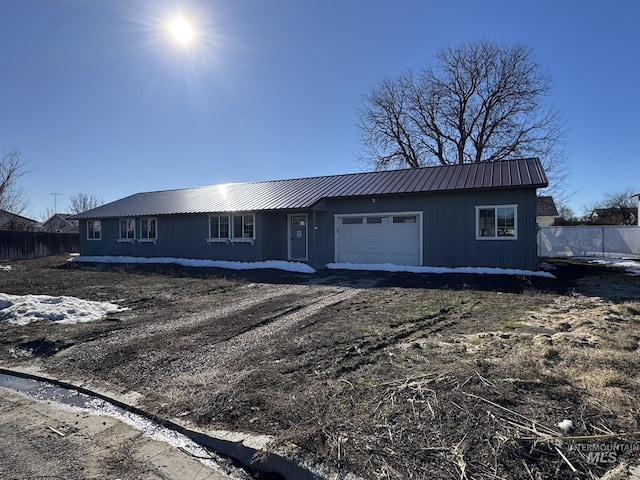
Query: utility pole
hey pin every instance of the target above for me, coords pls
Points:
(55, 202)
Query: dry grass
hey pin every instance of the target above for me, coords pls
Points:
(420, 377)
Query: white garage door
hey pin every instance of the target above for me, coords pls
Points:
(389, 238)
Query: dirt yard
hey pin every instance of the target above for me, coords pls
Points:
(388, 376)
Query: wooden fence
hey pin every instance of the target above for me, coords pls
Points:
(19, 245)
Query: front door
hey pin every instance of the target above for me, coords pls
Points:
(297, 237)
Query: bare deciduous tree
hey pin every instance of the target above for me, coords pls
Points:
(81, 202)
(482, 102)
(625, 199)
(12, 198)
(615, 207)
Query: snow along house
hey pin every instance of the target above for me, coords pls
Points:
(475, 215)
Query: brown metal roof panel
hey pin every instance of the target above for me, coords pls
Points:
(449, 176)
(505, 179)
(379, 184)
(334, 185)
(517, 176)
(477, 175)
(452, 178)
(303, 193)
(306, 192)
(394, 183)
(456, 178)
(535, 171)
(426, 183)
(413, 182)
(353, 185)
(436, 180)
(404, 180)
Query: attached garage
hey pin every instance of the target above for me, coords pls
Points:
(381, 238)
(469, 215)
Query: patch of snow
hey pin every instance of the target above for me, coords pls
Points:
(632, 267)
(389, 267)
(5, 268)
(191, 262)
(24, 309)
(159, 433)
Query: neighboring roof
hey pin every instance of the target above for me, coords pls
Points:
(614, 216)
(64, 217)
(305, 192)
(546, 207)
(14, 216)
(61, 222)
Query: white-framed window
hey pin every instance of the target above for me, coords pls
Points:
(219, 227)
(148, 229)
(497, 222)
(127, 229)
(232, 228)
(94, 230)
(243, 226)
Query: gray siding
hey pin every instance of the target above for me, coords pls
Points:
(449, 236)
(184, 236)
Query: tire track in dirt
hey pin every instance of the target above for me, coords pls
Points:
(234, 348)
(219, 336)
(254, 294)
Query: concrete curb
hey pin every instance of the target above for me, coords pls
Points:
(238, 447)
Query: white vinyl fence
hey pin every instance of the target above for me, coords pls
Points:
(589, 241)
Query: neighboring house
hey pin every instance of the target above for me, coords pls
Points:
(546, 211)
(614, 216)
(478, 215)
(61, 223)
(11, 221)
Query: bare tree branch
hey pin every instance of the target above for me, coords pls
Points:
(12, 198)
(481, 102)
(81, 202)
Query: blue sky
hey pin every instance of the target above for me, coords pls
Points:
(99, 99)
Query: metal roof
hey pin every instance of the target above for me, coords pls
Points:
(305, 192)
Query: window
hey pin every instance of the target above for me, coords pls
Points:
(243, 226)
(496, 222)
(148, 229)
(219, 226)
(127, 229)
(351, 220)
(232, 227)
(93, 229)
(373, 220)
(405, 219)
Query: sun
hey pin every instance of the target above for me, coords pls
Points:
(182, 31)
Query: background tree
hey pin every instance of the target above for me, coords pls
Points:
(482, 102)
(622, 200)
(81, 202)
(622, 206)
(12, 198)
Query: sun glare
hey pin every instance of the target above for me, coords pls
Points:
(182, 31)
